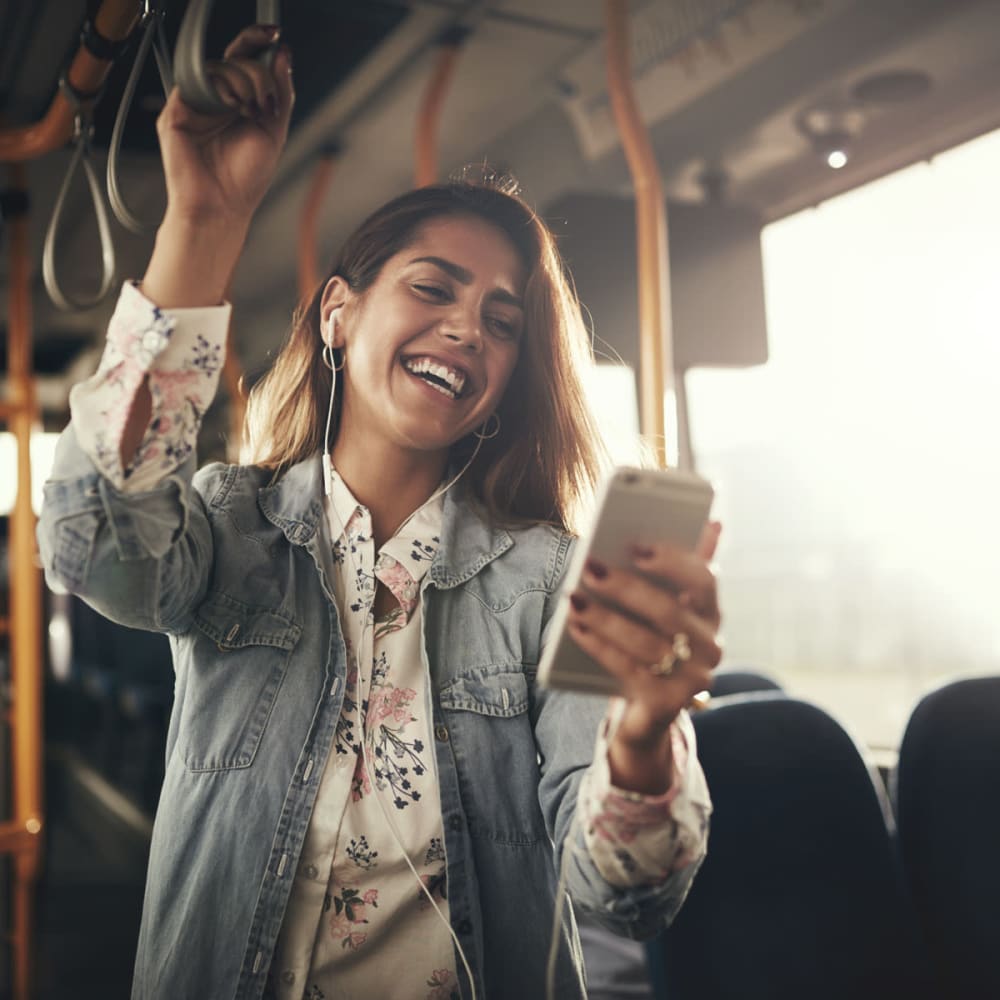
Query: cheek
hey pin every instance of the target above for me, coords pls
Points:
(505, 370)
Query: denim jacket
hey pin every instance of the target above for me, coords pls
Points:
(237, 571)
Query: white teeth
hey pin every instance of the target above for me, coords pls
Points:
(426, 366)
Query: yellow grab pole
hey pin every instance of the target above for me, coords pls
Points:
(655, 336)
(309, 275)
(429, 119)
(25, 609)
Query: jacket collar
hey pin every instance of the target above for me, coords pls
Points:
(468, 541)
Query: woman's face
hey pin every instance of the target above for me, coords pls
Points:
(430, 346)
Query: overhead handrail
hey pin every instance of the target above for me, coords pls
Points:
(655, 334)
(309, 273)
(428, 121)
(83, 133)
(111, 25)
(190, 73)
(153, 38)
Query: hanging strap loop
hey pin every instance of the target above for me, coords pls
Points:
(151, 27)
(83, 129)
(197, 89)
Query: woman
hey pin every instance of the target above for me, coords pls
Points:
(363, 785)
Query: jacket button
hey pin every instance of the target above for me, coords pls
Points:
(455, 823)
(441, 734)
(288, 976)
(465, 927)
(311, 871)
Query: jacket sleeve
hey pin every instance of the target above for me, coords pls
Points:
(141, 559)
(567, 726)
(179, 353)
(135, 543)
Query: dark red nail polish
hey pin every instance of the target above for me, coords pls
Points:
(597, 569)
(579, 602)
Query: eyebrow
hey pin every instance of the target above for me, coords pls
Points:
(465, 277)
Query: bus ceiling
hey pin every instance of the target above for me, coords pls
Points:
(767, 107)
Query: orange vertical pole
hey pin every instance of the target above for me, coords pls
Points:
(429, 119)
(655, 334)
(22, 835)
(309, 273)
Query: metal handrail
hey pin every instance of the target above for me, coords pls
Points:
(20, 836)
(426, 144)
(81, 157)
(152, 37)
(309, 273)
(87, 72)
(655, 334)
(190, 73)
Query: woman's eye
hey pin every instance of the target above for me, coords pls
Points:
(431, 291)
(503, 327)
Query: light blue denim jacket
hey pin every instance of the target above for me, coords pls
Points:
(238, 573)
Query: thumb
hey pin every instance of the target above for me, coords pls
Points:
(709, 540)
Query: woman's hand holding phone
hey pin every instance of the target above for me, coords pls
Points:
(655, 629)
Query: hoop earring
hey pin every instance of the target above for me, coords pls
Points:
(327, 356)
(496, 430)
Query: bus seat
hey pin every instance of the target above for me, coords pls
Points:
(739, 680)
(947, 794)
(801, 894)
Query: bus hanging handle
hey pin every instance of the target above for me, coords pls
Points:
(190, 71)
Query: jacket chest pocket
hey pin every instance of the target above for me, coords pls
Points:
(493, 745)
(235, 667)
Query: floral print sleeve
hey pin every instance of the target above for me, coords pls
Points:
(181, 351)
(643, 839)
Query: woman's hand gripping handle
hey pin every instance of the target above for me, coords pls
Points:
(218, 168)
(656, 630)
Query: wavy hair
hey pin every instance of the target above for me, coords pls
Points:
(544, 462)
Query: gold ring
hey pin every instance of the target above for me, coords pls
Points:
(680, 652)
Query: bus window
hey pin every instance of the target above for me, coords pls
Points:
(857, 469)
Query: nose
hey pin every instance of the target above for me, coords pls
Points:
(462, 328)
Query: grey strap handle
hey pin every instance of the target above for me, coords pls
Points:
(152, 37)
(190, 75)
(81, 157)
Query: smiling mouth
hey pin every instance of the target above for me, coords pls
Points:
(448, 381)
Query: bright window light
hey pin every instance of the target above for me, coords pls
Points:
(43, 449)
(611, 391)
(856, 471)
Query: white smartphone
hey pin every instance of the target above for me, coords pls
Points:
(636, 506)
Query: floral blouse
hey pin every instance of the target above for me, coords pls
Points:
(358, 924)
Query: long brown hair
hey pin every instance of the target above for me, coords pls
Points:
(545, 459)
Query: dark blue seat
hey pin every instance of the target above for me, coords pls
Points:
(729, 681)
(947, 795)
(801, 896)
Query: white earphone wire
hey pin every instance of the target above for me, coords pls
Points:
(369, 623)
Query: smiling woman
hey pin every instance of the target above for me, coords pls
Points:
(362, 773)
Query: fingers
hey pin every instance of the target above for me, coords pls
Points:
(248, 84)
(252, 41)
(666, 694)
(636, 643)
(709, 540)
(245, 86)
(660, 570)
